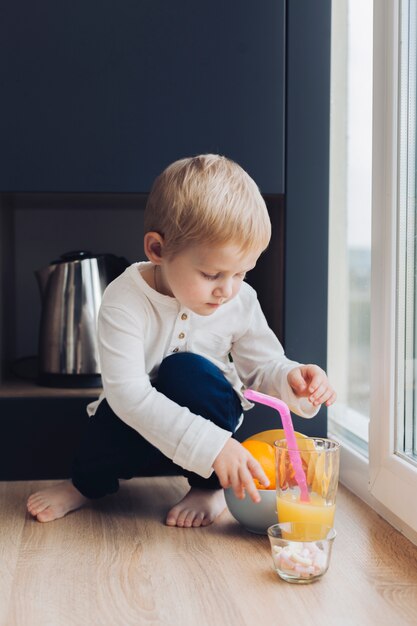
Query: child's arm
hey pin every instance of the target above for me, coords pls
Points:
(262, 364)
(190, 440)
(236, 467)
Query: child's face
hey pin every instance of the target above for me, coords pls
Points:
(203, 278)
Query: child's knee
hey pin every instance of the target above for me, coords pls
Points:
(195, 382)
(186, 372)
(185, 365)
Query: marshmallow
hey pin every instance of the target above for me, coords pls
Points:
(306, 559)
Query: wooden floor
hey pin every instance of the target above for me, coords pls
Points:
(115, 563)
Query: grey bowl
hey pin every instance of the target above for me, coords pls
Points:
(255, 517)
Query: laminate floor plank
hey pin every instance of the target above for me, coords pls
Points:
(12, 523)
(114, 563)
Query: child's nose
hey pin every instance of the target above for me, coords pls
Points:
(224, 290)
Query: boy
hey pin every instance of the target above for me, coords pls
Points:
(180, 337)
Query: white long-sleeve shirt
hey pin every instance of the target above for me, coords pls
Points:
(138, 327)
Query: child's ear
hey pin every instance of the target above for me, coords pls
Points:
(153, 243)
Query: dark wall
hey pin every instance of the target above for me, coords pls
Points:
(101, 96)
(307, 186)
(307, 127)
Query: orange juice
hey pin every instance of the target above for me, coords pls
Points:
(291, 509)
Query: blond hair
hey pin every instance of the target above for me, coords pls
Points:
(207, 199)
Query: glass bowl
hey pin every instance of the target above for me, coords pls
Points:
(301, 551)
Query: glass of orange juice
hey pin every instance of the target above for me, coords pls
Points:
(320, 464)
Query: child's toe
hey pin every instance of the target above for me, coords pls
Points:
(47, 515)
(198, 520)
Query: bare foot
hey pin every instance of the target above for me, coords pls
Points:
(55, 502)
(199, 507)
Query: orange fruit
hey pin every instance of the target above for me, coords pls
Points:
(286, 470)
(264, 453)
(270, 436)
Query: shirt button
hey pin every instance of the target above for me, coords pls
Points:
(184, 316)
(175, 350)
(181, 336)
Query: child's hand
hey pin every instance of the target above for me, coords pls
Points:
(310, 381)
(235, 467)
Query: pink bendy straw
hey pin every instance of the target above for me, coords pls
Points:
(288, 427)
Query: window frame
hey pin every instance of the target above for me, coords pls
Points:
(391, 478)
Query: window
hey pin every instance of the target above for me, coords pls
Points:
(373, 325)
(350, 220)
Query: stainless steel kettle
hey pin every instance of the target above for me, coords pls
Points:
(71, 290)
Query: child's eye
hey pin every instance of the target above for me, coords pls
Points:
(210, 276)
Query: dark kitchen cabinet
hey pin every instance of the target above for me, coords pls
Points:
(101, 96)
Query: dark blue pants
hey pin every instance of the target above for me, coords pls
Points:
(111, 449)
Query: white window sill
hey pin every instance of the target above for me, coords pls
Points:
(354, 474)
